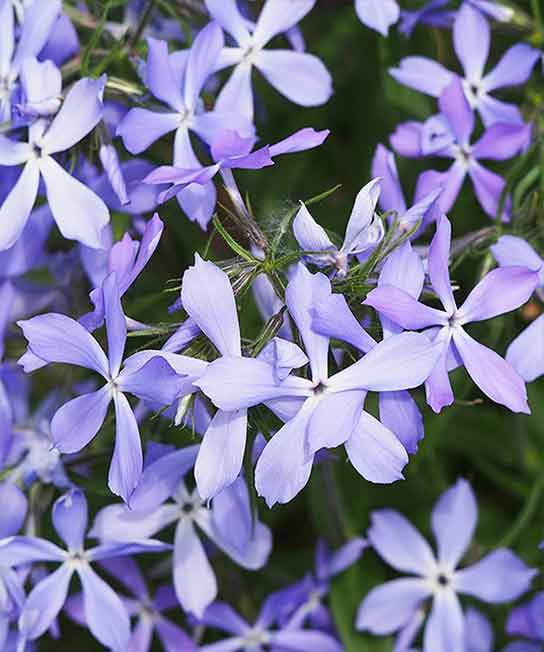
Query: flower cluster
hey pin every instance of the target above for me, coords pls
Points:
(288, 354)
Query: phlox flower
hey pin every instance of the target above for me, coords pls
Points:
(498, 577)
(378, 14)
(500, 291)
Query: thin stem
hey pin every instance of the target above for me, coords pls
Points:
(537, 14)
(525, 516)
(144, 20)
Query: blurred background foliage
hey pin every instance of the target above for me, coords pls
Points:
(502, 454)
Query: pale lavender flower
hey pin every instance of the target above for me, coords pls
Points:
(332, 317)
(162, 499)
(106, 615)
(498, 577)
(392, 196)
(230, 151)
(501, 291)
(364, 232)
(145, 608)
(324, 412)
(177, 80)
(58, 338)
(300, 77)
(472, 42)
(526, 352)
(263, 634)
(36, 29)
(526, 621)
(79, 213)
(447, 135)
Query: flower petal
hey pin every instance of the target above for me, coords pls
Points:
(454, 522)
(422, 74)
(79, 114)
(127, 461)
(514, 67)
(159, 76)
(400, 362)
(278, 16)
(45, 333)
(227, 14)
(201, 63)
(236, 383)
(105, 614)
(390, 606)
(334, 419)
(401, 308)
(221, 453)
(510, 250)
(69, 516)
(471, 38)
(140, 128)
(303, 291)
(208, 298)
(284, 468)
(526, 352)
(300, 77)
(375, 451)
(15, 210)
(400, 413)
(499, 577)
(44, 603)
(79, 213)
(332, 317)
(445, 631)
(194, 579)
(399, 544)
(438, 263)
(378, 14)
(79, 420)
(493, 375)
(309, 234)
(502, 290)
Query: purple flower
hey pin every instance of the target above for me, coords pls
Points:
(500, 291)
(526, 352)
(303, 602)
(147, 609)
(526, 621)
(105, 614)
(324, 412)
(177, 80)
(300, 77)
(333, 318)
(231, 151)
(447, 135)
(57, 338)
(392, 196)
(364, 231)
(228, 523)
(499, 577)
(262, 634)
(127, 258)
(472, 40)
(79, 213)
(378, 14)
(38, 22)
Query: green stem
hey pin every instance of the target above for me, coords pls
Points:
(537, 14)
(144, 19)
(525, 516)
